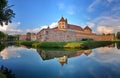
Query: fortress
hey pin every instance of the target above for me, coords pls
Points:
(68, 32)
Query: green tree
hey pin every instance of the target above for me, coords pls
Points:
(28, 33)
(6, 14)
(118, 45)
(118, 35)
(2, 35)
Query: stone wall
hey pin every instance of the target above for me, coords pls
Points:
(50, 35)
(57, 36)
(80, 36)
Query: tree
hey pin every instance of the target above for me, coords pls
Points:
(6, 14)
(118, 45)
(118, 35)
(28, 33)
(2, 36)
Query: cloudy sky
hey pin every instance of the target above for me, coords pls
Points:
(103, 16)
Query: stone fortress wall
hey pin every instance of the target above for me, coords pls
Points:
(50, 35)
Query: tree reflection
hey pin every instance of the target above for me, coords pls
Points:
(118, 45)
(7, 72)
(2, 47)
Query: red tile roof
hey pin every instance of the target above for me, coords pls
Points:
(87, 28)
(70, 26)
(62, 19)
(75, 27)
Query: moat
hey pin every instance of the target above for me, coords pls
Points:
(102, 62)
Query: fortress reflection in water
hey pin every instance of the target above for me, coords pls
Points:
(63, 55)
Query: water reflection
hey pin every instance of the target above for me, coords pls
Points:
(118, 45)
(62, 55)
(6, 72)
(12, 52)
(101, 62)
(2, 47)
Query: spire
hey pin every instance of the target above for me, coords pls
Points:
(48, 27)
(66, 20)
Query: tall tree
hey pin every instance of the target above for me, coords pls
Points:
(118, 35)
(6, 14)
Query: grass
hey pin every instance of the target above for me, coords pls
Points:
(2, 75)
(71, 45)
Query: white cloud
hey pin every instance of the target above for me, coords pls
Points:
(104, 29)
(109, 20)
(102, 3)
(54, 24)
(92, 5)
(106, 55)
(11, 28)
(13, 52)
(36, 30)
(105, 24)
(9, 52)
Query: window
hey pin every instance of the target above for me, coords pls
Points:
(59, 23)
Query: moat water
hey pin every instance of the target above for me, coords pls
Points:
(102, 62)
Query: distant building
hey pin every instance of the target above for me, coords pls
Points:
(22, 37)
(69, 32)
(33, 37)
(29, 37)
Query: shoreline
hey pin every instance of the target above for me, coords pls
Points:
(69, 45)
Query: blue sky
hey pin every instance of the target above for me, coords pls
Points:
(32, 15)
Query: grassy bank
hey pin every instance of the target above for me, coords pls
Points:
(2, 75)
(74, 44)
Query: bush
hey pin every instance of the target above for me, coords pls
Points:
(86, 39)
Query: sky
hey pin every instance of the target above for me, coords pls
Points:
(102, 16)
